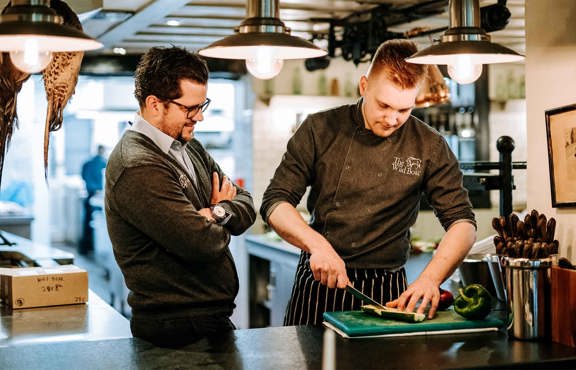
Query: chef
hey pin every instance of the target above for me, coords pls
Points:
(367, 165)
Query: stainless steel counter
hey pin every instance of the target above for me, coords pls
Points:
(263, 244)
(95, 320)
(39, 254)
(16, 224)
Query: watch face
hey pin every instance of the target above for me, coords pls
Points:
(219, 211)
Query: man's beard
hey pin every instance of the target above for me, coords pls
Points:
(184, 141)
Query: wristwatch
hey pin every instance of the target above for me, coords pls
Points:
(219, 213)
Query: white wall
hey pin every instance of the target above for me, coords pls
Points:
(550, 83)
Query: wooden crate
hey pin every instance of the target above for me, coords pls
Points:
(563, 307)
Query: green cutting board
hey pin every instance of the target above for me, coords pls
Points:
(359, 323)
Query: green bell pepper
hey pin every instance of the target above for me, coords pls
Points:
(474, 302)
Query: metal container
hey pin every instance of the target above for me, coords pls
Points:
(494, 263)
(528, 290)
(476, 269)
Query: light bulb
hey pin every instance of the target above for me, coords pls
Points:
(264, 65)
(31, 59)
(464, 71)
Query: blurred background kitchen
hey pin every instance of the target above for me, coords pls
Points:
(250, 120)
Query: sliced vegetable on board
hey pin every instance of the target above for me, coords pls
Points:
(393, 314)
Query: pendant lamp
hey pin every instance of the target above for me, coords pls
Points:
(465, 46)
(434, 90)
(30, 30)
(263, 41)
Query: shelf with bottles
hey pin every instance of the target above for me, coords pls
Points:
(506, 83)
(458, 126)
(340, 79)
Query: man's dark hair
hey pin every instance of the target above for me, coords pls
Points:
(160, 70)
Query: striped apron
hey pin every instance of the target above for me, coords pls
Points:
(310, 299)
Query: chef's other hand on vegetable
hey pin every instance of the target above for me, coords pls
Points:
(474, 302)
(425, 290)
(417, 297)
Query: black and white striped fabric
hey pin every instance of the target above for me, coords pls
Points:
(310, 299)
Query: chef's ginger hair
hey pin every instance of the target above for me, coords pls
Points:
(390, 58)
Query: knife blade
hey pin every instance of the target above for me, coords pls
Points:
(380, 310)
(363, 297)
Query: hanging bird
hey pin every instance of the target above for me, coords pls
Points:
(11, 81)
(60, 78)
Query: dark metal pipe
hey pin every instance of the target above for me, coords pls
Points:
(505, 146)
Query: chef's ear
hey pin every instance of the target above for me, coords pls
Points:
(153, 104)
(363, 85)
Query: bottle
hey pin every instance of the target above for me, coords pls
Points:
(467, 137)
(334, 87)
(349, 88)
(512, 86)
(322, 88)
(297, 81)
(501, 88)
(269, 87)
(451, 134)
(522, 87)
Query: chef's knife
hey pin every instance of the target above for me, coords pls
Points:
(378, 309)
(363, 297)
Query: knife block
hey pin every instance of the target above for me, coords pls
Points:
(563, 307)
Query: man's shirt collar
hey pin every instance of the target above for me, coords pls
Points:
(163, 141)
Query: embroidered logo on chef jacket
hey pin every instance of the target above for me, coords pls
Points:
(184, 181)
(409, 166)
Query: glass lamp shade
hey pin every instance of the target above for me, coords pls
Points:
(264, 65)
(31, 59)
(464, 71)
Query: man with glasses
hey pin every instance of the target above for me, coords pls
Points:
(170, 209)
(367, 165)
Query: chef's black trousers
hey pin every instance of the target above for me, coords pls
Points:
(310, 299)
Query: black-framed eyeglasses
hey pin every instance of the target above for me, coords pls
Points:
(192, 110)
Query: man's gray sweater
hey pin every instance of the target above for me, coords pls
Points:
(173, 259)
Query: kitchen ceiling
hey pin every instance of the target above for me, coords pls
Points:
(133, 26)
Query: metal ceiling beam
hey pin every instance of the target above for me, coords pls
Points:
(153, 13)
